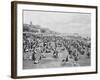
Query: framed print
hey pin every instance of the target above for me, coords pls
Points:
(50, 39)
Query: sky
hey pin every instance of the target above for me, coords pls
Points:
(62, 22)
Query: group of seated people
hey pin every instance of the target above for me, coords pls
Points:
(38, 47)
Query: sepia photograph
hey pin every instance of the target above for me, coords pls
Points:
(56, 39)
(53, 39)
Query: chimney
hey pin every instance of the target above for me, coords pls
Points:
(30, 22)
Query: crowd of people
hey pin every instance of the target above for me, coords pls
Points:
(36, 47)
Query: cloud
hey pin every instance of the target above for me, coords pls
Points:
(60, 22)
